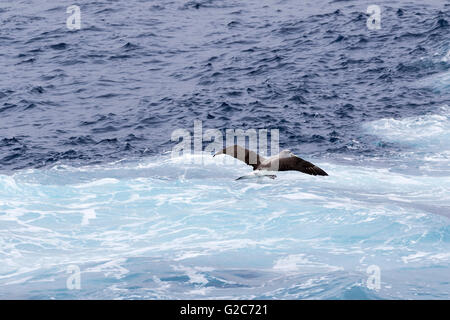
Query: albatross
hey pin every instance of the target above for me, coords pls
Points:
(284, 161)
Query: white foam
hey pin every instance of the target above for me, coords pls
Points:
(299, 262)
(426, 130)
(296, 224)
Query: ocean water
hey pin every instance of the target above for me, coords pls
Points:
(87, 181)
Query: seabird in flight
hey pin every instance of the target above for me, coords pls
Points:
(284, 161)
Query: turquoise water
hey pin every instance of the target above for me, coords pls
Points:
(183, 227)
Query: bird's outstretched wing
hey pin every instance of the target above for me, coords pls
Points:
(298, 164)
(249, 157)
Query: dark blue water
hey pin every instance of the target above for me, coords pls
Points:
(86, 119)
(137, 70)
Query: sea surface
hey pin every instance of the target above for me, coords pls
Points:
(88, 182)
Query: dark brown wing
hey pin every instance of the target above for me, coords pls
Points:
(298, 164)
(249, 157)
